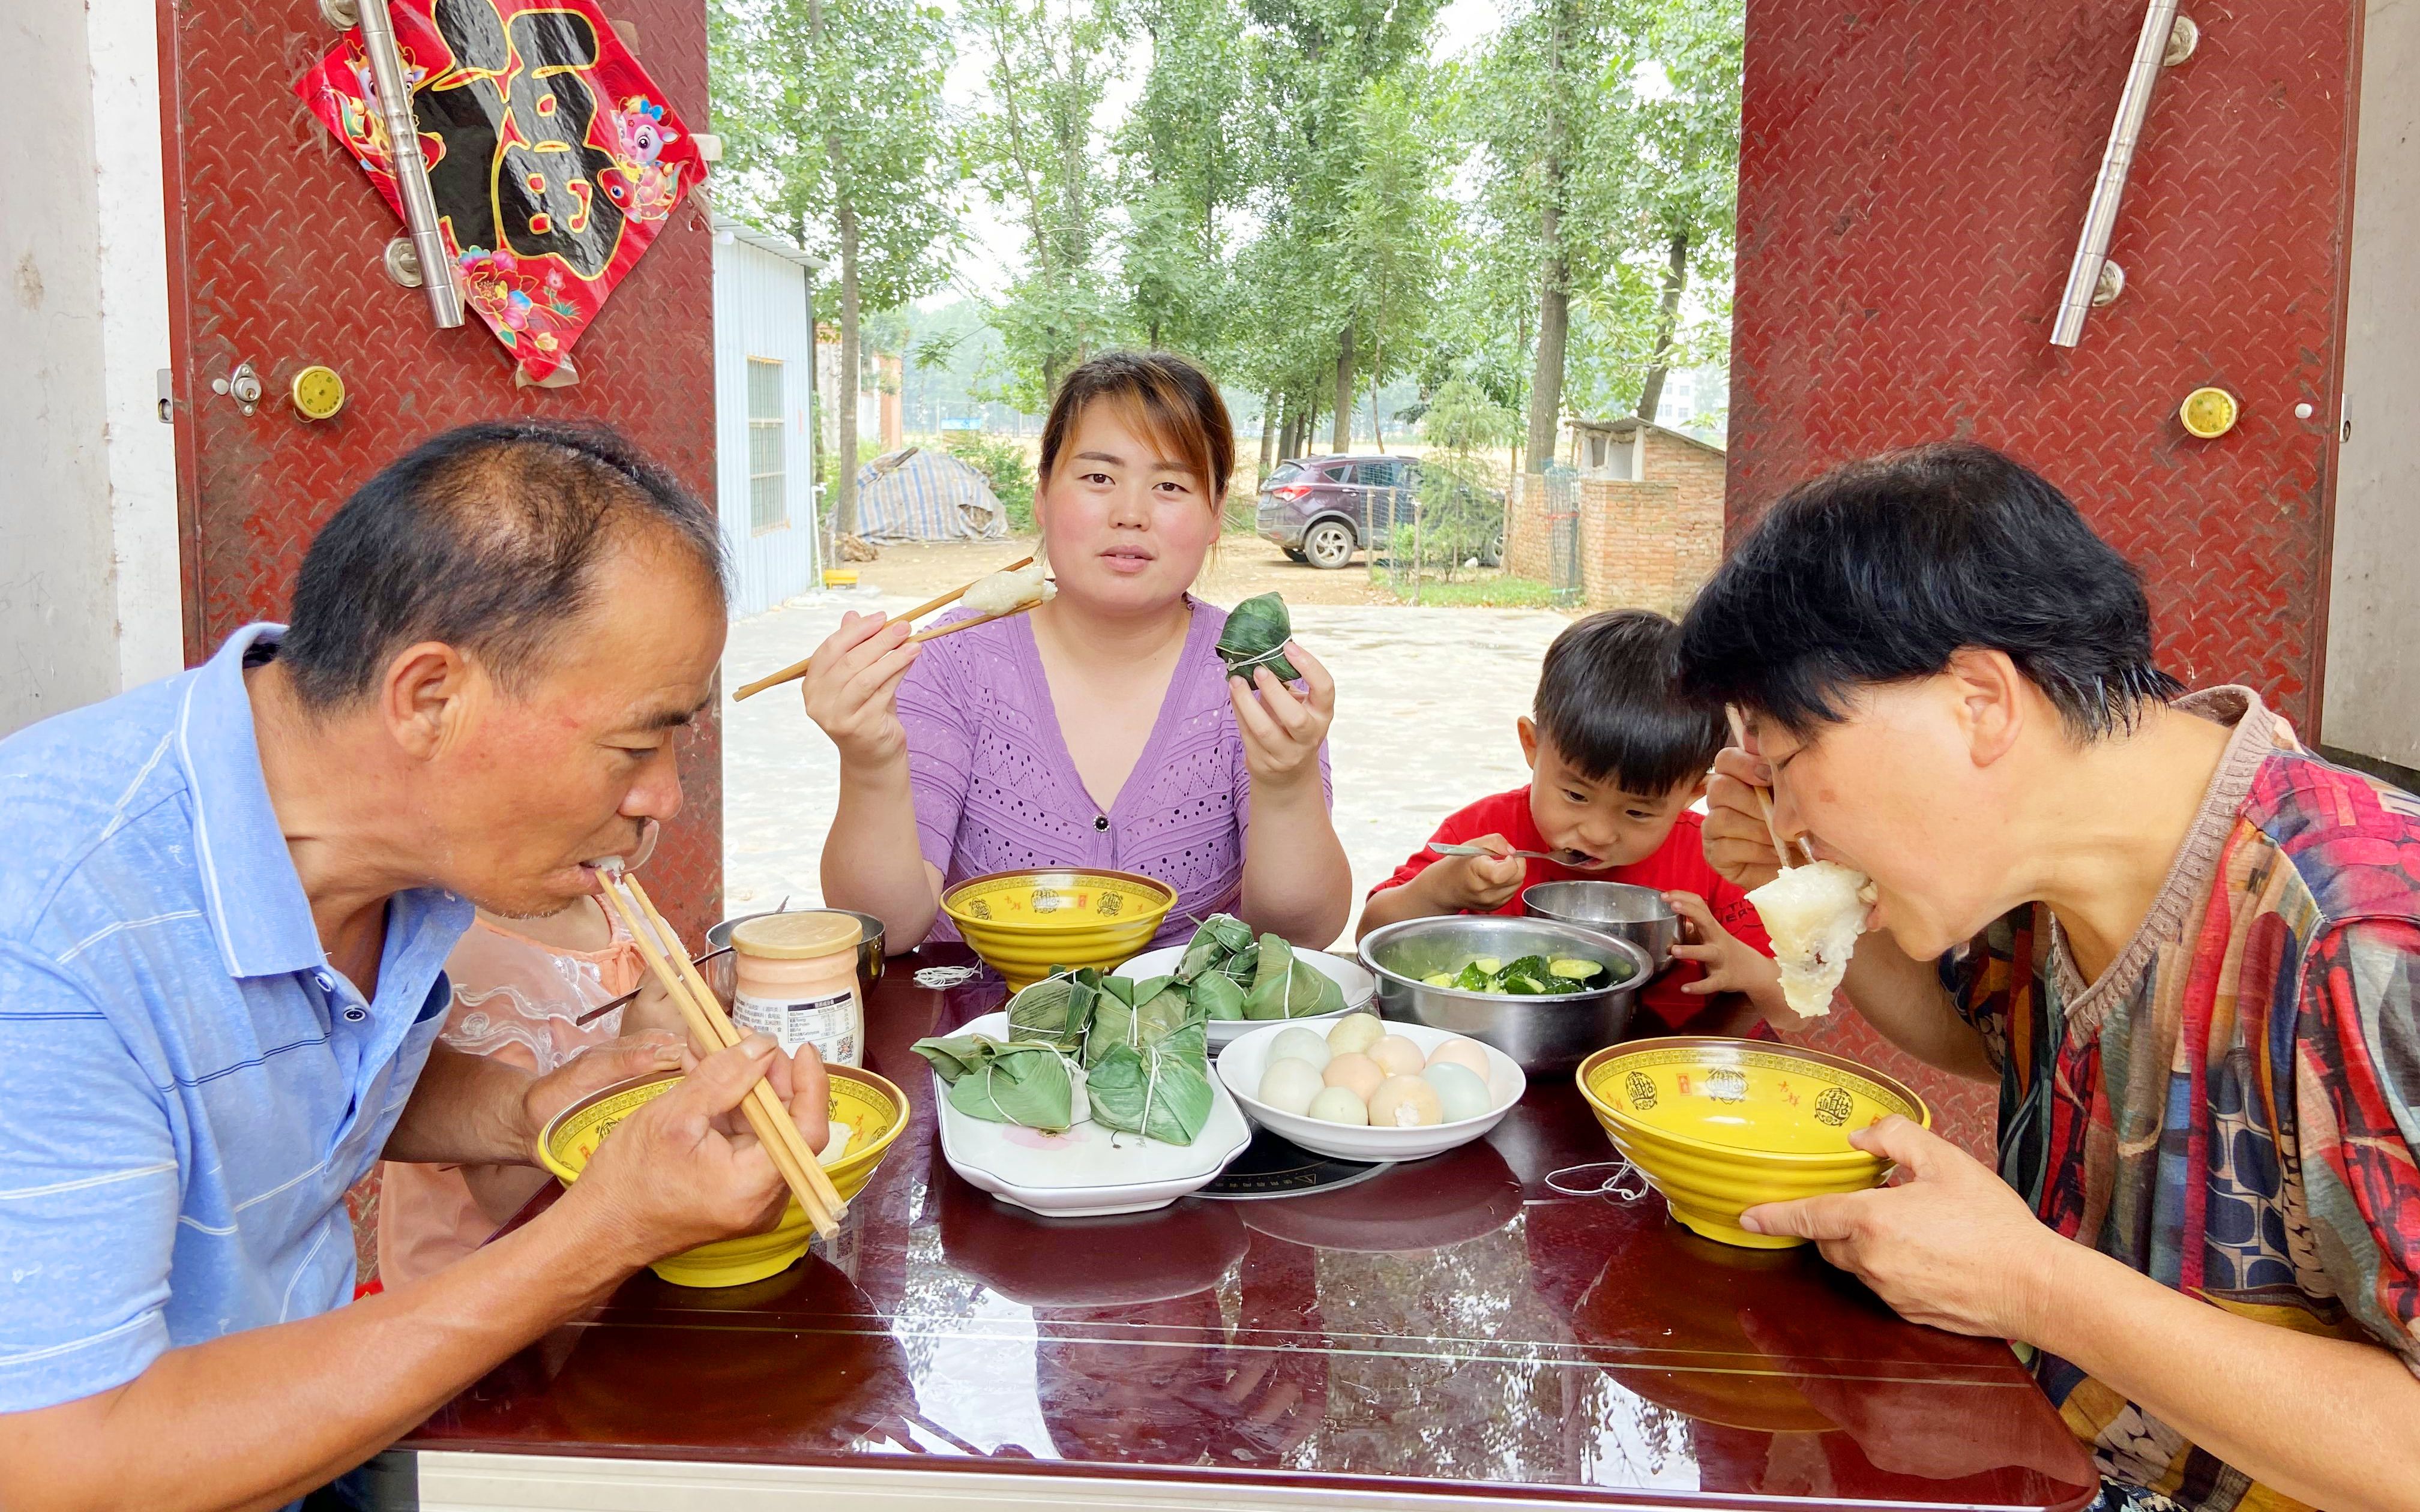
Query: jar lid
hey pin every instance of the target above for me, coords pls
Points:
(797, 936)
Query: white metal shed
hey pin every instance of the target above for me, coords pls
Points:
(764, 431)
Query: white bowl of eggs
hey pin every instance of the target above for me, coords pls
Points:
(1360, 1087)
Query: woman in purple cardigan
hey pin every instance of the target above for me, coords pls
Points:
(1100, 729)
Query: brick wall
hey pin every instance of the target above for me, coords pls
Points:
(1649, 544)
(1697, 469)
(1527, 552)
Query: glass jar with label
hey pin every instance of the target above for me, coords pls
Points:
(795, 978)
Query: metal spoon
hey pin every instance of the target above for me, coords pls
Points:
(1558, 858)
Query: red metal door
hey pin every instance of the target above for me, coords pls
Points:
(276, 239)
(1913, 176)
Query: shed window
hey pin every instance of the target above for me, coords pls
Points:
(768, 510)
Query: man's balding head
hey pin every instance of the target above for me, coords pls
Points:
(488, 538)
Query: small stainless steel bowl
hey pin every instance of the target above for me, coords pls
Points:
(1638, 914)
(869, 945)
(1540, 1034)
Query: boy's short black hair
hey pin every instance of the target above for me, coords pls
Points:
(1880, 570)
(485, 538)
(1609, 702)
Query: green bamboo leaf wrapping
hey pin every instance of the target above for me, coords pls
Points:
(1153, 1018)
(1024, 1082)
(1058, 1009)
(1276, 958)
(1216, 941)
(1161, 1090)
(1217, 996)
(1255, 636)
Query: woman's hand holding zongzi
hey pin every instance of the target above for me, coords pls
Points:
(1282, 728)
(852, 688)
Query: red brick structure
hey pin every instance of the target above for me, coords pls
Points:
(1649, 501)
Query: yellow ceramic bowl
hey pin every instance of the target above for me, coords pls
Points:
(1025, 923)
(874, 1110)
(1720, 1125)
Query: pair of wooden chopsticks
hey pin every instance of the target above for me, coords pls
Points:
(713, 1030)
(799, 668)
(1764, 795)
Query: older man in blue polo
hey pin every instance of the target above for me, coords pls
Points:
(223, 929)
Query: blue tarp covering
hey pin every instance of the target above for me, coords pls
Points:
(919, 495)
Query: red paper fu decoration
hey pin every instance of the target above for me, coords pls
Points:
(552, 157)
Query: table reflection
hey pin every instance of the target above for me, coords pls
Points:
(1448, 1323)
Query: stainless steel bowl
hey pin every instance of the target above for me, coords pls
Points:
(869, 945)
(1638, 914)
(1540, 1034)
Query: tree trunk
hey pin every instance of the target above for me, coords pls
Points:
(1344, 392)
(1268, 437)
(1289, 429)
(1676, 278)
(844, 491)
(1377, 426)
(1546, 381)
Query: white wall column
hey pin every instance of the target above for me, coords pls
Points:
(90, 595)
(2372, 690)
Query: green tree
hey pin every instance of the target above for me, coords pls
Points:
(1394, 223)
(1316, 61)
(1185, 163)
(1038, 153)
(1683, 170)
(835, 133)
(1551, 96)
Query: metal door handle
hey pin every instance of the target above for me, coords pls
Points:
(411, 167)
(2155, 47)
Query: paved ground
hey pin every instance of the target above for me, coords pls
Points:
(1426, 699)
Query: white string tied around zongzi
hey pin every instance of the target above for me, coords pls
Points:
(1150, 1087)
(1260, 659)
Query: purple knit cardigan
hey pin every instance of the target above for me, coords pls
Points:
(996, 788)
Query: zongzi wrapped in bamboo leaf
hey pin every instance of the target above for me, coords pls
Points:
(1255, 636)
(1217, 996)
(1161, 1090)
(1024, 1082)
(1150, 1020)
(1215, 940)
(1058, 1009)
(1304, 989)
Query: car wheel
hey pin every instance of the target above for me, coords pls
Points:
(1492, 554)
(1328, 545)
(1294, 554)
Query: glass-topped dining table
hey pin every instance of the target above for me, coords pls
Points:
(1449, 1332)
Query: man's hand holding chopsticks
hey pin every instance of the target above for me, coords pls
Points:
(685, 1170)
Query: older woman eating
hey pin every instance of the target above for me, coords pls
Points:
(1101, 729)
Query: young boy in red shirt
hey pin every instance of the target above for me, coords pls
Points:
(1616, 758)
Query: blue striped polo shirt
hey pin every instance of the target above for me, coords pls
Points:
(187, 1087)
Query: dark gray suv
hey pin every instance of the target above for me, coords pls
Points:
(1322, 509)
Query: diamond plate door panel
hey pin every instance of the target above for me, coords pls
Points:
(275, 246)
(1913, 176)
(1912, 179)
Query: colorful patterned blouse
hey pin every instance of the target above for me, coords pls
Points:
(2233, 1107)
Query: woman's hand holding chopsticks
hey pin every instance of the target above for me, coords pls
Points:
(685, 1170)
(852, 688)
(1738, 840)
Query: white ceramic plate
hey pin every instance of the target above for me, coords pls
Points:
(1240, 1066)
(1352, 975)
(1089, 1171)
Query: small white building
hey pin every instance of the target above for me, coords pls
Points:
(764, 419)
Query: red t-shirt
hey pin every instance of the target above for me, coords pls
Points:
(1678, 865)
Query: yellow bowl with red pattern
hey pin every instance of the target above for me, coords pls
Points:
(874, 1110)
(1719, 1125)
(1025, 924)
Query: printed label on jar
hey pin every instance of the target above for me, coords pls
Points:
(829, 1023)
